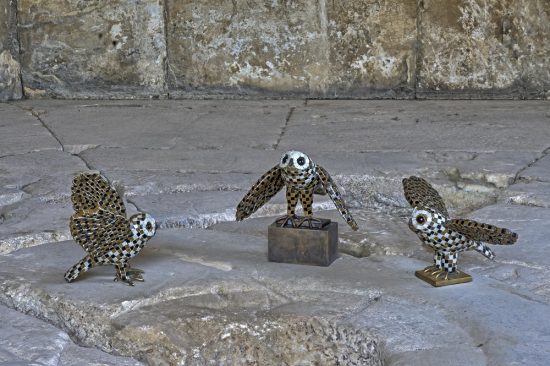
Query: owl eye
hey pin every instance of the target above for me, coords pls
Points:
(301, 160)
(149, 226)
(285, 159)
(420, 219)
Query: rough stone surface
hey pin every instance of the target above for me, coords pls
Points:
(484, 48)
(314, 48)
(10, 77)
(206, 307)
(372, 48)
(10, 69)
(210, 295)
(235, 45)
(76, 49)
(26, 340)
(255, 49)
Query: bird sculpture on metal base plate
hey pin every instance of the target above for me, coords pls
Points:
(99, 225)
(448, 237)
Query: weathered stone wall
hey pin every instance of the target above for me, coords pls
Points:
(484, 47)
(279, 48)
(10, 70)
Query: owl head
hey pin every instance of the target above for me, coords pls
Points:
(144, 223)
(295, 160)
(424, 219)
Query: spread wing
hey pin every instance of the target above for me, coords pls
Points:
(266, 187)
(98, 230)
(478, 231)
(335, 196)
(91, 190)
(420, 193)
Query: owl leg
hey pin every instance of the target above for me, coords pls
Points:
(291, 201)
(448, 265)
(306, 197)
(134, 270)
(122, 273)
(85, 264)
(436, 268)
(135, 273)
(129, 249)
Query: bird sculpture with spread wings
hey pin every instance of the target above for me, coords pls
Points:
(302, 178)
(99, 225)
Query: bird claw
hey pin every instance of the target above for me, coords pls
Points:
(134, 270)
(311, 221)
(137, 277)
(438, 272)
(430, 268)
(128, 281)
(283, 220)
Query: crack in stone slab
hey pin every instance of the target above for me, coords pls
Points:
(38, 115)
(283, 130)
(517, 177)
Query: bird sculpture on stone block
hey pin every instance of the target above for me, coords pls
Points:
(302, 178)
(99, 225)
(448, 237)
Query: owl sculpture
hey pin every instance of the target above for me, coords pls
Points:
(100, 226)
(448, 237)
(302, 177)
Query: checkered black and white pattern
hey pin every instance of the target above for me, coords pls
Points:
(301, 176)
(101, 228)
(448, 237)
(446, 243)
(117, 255)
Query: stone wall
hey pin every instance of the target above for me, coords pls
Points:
(275, 48)
(10, 70)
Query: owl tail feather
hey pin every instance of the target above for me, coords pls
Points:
(85, 264)
(484, 249)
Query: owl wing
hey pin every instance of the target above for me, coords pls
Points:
(266, 187)
(420, 193)
(478, 231)
(91, 190)
(98, 230)
(335, 196)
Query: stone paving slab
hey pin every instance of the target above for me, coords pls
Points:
(206, 125)
(188, 288)
(192, 274)
(211, 294)
(540, 169)
(479, 126)
(530, 194)
(22, 132)
(26, 340)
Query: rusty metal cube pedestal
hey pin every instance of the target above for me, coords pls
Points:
(317, 247)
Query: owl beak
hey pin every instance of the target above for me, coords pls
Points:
(291, 162)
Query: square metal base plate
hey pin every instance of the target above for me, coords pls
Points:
(453, 279)
(317, 247)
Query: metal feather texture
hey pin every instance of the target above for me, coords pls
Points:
(478, 231)
(269, 184)
(98, 230)
(448, 237)
(419, 193)
(90, 190)
(332, 189)
(101, 228)
(302, 178)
